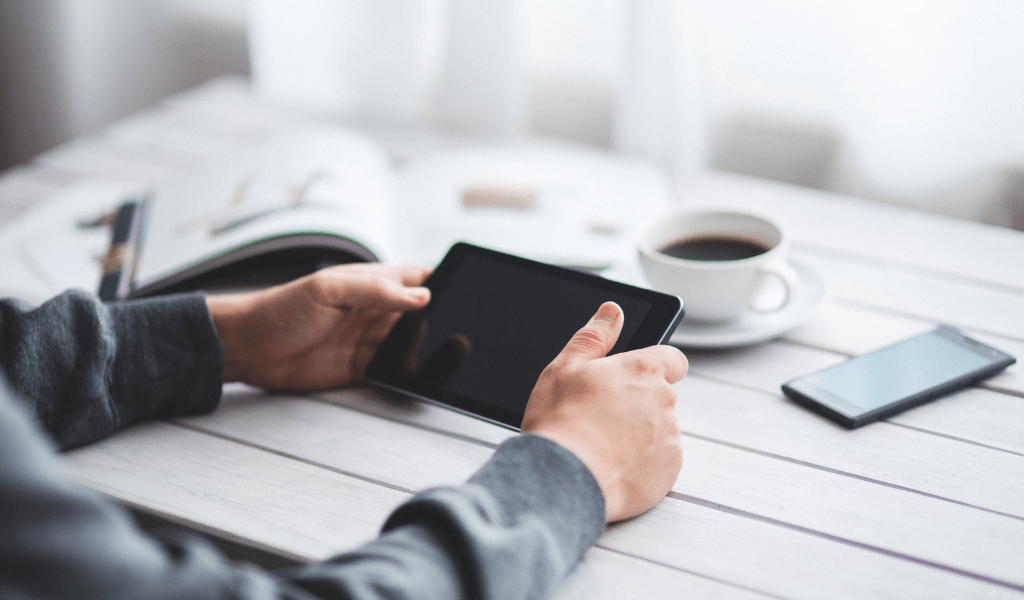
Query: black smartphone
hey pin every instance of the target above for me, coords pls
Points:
(496, 320)
(882, 383)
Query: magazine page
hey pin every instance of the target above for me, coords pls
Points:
(59, 243)
(555, 203)
(324, 181)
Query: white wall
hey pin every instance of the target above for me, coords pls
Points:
(70, 66)
(924, 97)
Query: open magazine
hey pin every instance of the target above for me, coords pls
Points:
(327, 196)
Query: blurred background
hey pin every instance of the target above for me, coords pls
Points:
(913, 102)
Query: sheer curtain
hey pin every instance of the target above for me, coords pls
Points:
(612, 73)
(909, 101)
(917, 102)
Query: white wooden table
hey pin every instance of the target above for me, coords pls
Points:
(773, 501)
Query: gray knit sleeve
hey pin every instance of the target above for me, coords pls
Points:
(85, 370)
(513, 531)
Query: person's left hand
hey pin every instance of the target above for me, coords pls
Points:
(316, 332)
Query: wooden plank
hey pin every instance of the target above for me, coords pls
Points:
(782, 561)
(18, 280)
(369, 447)
(891, 454)
(848, 508)
(998, 311)
(871, 229)
(352, 442)
(603, 574)
(231, 100)
(9, 212)
(48, 242)
(305, 513)
(882, 452)
(297, 509)
(103, 156)
(243, 490)
(911, 507)
(764, 367)
(195, 122)
(977, 415)
(198, 137)
(266, 500)
(854, 330)
(312, 513)
(22, 187)
(1012, 379)
(405, 409)
(962, 415)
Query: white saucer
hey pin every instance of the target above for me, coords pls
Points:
(755, 327)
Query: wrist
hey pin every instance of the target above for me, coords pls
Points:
(535, 477)
(592, 459)
(229, 314)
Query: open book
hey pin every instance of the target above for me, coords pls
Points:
(329, 196)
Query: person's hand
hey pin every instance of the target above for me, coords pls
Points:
(316, 332)
(616, 413)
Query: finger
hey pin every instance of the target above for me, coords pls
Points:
(376, 290)
(413, 275)
(597, 337)
(665, 361)
(411, 362)
(370, 342)
(378, 329)
(408, 275)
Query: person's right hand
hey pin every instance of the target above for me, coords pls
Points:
(616, 413)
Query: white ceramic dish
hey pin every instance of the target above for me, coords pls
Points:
(752, 328)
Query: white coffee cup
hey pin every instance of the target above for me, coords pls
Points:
(718, 287)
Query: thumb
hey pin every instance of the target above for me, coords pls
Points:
(597, 337)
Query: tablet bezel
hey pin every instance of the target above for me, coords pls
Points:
(657, 326)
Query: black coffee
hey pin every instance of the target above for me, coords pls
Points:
(713, 249)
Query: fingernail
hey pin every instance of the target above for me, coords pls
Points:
(609, 311)
(418, 293)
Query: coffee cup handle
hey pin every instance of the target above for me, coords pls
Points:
(786, 274)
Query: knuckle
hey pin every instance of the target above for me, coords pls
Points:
(379, 286)
(682, 358)
(320, 283)
(643, 365)
(565, 379)
(668, 396)
(588, 339)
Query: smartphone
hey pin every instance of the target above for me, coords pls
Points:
(882, 383)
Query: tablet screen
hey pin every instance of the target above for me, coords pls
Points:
(495, 321)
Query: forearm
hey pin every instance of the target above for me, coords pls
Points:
(513, 532)
(85, 370)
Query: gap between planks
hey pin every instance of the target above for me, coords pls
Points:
(841, 540)
(291, 454)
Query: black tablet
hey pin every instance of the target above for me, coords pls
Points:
(496, 320)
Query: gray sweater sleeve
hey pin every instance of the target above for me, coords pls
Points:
(85, 370)
(513, 531)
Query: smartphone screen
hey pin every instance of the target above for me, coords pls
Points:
(908, 373)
